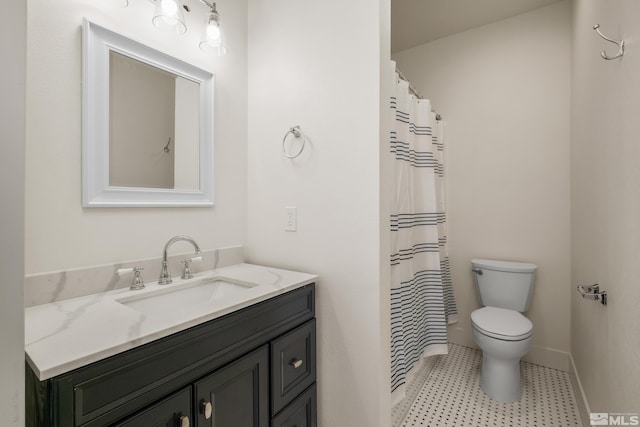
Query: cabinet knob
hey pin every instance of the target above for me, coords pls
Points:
(206, 408)
(296, 363)
(184, 421)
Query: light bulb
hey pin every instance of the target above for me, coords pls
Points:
(213, 32)
(169, 7)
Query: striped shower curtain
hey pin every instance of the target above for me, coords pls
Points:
(421, 292)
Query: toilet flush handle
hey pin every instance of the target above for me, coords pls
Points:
(477, 271)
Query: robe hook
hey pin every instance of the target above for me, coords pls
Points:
(620, 45)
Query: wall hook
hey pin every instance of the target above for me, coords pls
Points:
(620, 45)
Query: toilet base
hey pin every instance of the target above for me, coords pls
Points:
(500, 378)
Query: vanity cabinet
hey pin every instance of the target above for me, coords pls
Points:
(251, 368)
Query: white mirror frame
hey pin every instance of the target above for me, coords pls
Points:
(97, 43)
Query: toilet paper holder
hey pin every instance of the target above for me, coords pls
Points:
(593, 292)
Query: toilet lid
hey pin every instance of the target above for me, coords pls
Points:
(502, 323)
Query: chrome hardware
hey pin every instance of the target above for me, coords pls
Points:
(184, 421)
(593, 292)
(206, 408)
(620, 45)
(297, 133)
(477, 271)
(186, 272)
(137, 283)
(296, 363)
(165, 275)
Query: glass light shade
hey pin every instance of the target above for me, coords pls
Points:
(169, 17)
(212, 40)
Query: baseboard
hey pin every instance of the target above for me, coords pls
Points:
(549, 357)
(460, 336)
(581, 398)
(538, 355)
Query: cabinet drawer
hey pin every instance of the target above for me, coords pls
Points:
(300, 413)
(293, 364)
(173, 411)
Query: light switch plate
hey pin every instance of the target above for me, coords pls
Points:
(290, 218)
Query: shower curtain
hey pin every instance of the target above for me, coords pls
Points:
(421, 292)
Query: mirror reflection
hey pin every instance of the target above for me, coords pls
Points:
(153, 127)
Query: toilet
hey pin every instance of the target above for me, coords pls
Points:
(500, 330)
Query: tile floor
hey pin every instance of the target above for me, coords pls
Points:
(450, 396)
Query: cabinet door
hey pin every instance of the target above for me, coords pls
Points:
(173, 411)
(300, 413)
(236, 395)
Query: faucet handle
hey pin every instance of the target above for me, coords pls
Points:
(186, 272)
(137, 282)
(123, 271)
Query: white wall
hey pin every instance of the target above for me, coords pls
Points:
(606, 204)
(60, 234)
(504, 92)
(303, 71)
(12, 128)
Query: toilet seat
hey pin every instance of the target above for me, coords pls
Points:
(502, 324)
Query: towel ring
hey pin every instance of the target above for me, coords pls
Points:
(295, 131)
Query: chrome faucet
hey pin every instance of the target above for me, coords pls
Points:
(165, 276)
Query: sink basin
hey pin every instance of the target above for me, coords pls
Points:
(186, 297)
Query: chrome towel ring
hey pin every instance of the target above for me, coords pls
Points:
(297, 133)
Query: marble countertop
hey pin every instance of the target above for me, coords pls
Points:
(65, 335)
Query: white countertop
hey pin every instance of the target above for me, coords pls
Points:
(65, 335)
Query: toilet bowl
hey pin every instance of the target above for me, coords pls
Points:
(500, 330)
(504, 336)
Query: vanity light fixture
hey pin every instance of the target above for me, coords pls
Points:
(212, 40)
(168, 16)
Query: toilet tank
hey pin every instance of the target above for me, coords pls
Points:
(504, 284)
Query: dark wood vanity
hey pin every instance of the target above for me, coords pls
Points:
(255, 367)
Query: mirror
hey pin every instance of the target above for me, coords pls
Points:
(147, 128)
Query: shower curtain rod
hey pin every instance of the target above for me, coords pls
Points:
(414, 91)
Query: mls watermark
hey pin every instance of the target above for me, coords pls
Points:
(614, 419)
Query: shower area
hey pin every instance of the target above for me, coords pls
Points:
(488, 180)
(422, 301)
